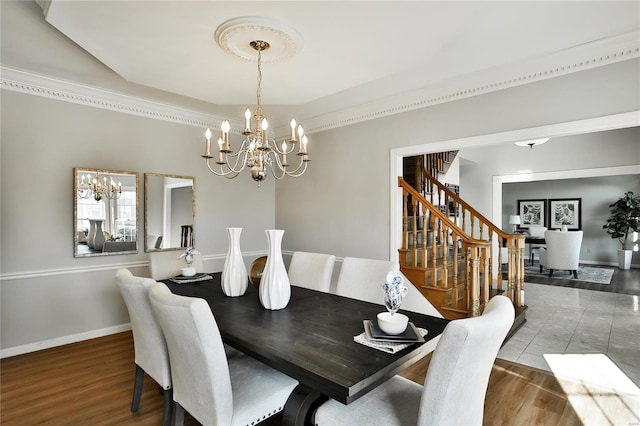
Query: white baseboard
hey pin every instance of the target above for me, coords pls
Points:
(64, 340)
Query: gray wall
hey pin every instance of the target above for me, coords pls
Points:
(596, 194)
(46, 293)
(340, 206)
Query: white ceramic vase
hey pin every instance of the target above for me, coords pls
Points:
(275, 290)
(234, 273)
(92, 233)
(98, 239)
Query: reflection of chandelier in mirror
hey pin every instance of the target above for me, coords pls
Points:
(532, 142)
(258, 151)
(99, 189)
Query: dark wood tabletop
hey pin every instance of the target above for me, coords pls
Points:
(311, 339)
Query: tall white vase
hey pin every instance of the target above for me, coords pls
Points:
(92, 233)
(234, 274)
(98, 239)
(275, 290)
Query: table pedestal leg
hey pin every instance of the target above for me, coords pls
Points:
(300, 406)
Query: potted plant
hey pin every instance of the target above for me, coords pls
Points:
(624, 220)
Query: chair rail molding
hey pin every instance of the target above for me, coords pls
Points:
(108, 267)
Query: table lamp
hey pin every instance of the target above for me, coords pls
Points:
(514, 220)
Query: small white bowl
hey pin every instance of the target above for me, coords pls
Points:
(392, 324)
(188, 272)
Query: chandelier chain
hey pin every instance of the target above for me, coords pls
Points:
(259, 90)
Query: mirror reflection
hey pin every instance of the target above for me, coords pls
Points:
(105, 212)
(169, 211)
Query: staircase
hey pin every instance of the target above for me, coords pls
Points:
(450, 252)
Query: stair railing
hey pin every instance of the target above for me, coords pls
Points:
(458, 237)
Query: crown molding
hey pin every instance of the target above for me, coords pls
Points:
(39, 85)
(580, 58)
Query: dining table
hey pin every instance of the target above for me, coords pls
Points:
(312, 341)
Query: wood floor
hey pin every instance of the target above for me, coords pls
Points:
(90, 383)
(623, 281)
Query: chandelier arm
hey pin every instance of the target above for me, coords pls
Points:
(290, 147)
(293, 173)
(242, 154)
(296, 172)
(226, 174)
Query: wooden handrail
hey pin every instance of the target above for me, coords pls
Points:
(412, 191)
(449, 193)
(446, 237)
(511, 241)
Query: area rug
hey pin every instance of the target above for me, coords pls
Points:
(600, 275)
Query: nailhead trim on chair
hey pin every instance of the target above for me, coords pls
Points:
(266, 416)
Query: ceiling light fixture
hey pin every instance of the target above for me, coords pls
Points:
(532, 143)
(97, 188)
(258, 151)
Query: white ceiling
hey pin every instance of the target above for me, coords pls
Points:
(353, 54)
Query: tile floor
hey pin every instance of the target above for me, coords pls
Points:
(563, 320)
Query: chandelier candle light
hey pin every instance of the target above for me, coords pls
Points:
(88, 187)
(258, 151)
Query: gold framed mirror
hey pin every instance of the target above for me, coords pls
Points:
(105, 212)
(169, 211)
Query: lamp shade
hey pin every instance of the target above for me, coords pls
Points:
(514, 219)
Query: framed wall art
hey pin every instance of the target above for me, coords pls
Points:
(532, 213)
(565, 211)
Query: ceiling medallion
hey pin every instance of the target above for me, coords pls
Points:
(235, 35)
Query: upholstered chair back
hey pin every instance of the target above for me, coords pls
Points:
(562, 251)
(458, 375)
(148, 341)
(198, 359)
(214, 389)
(311, 270)
(537, 231)
(362, 278)
(167, 264)
(455, 385)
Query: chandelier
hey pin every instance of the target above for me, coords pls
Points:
(258, 152)
(98, 189)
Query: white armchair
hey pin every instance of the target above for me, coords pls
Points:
(562, 251)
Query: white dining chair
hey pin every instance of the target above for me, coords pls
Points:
(213, 389)
(166, 264)
(151, 356)
(311, 270)
(455, 385)
(562, 251)
(362, 278)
